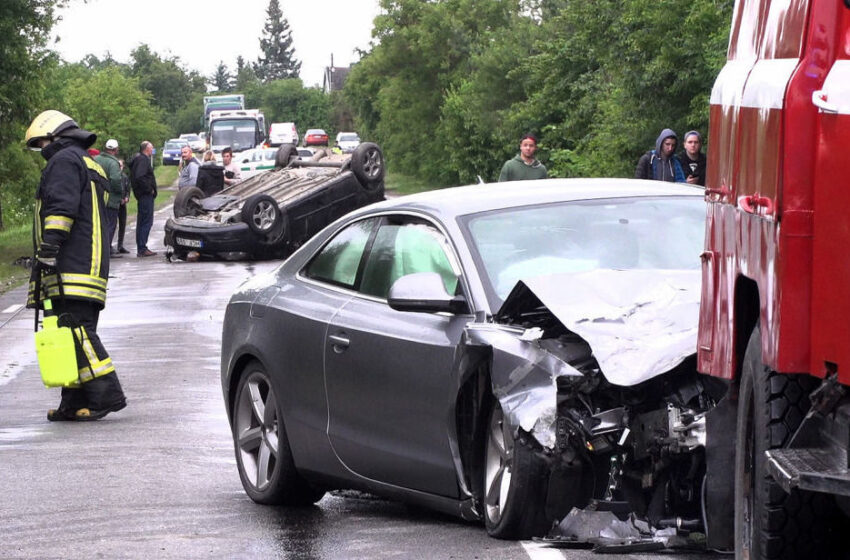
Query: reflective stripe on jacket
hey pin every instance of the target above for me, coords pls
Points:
(70, 213)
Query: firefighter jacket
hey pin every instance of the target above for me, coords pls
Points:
(70, 212)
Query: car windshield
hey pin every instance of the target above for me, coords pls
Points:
(174, 145)
(621, 233)
(238, 134)
(190, 137)
(348, 138)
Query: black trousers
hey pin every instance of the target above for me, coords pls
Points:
(122, 224)
(99, 387)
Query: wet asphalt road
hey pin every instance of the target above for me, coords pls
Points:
(158, 479)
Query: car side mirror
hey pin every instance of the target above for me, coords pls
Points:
(424, 292)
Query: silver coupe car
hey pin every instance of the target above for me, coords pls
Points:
(502, 352)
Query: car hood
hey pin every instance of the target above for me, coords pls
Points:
(638, 323)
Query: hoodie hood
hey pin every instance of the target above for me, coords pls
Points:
(665, 134)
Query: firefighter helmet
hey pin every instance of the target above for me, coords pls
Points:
(48, 124)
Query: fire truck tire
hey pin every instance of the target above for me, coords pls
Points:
(769, 523)
(514, 482)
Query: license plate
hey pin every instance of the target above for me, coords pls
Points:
(189, 242)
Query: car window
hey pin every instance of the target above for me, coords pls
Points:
(402, 249)
(621, 234)
(339, 260)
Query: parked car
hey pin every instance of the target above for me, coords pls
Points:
(283, 133)
(347, 141)
(252, 162)
(273, 213)
(197, 143)
(305, 153)
(315, 137)
(171, 151)
(500, 352)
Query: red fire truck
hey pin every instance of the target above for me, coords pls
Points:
(775, 311)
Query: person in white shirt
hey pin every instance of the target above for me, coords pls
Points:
(232, 174)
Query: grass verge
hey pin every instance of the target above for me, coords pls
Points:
(16, 241)
(403, 184)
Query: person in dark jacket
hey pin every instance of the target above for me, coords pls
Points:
(71, 265)
(144, 189)
(661, 164)
(692, 160)
(523, 166)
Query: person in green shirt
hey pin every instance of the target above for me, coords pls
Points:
(108, 160)
(524, 166)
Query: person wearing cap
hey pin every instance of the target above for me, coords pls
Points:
(524, 166)
(692, 160)
(108, 160)
(71, 265)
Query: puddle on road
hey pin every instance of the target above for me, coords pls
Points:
(14, 435)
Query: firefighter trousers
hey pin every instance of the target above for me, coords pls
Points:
(99, 387)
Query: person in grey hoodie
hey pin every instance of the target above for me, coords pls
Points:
(660, 163)
(524, 166)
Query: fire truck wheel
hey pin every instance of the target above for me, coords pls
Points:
(770, 523)
(514, 487)
(262, 449)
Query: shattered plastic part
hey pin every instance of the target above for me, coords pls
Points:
(523, 377)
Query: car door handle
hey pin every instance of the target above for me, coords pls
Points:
(339, 342)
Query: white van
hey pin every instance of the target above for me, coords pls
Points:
(283, 133)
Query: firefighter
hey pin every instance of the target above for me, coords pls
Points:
(71, 262)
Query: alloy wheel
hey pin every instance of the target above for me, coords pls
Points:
(256, 424)
(497, 466)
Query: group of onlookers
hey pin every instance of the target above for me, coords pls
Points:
(141, 182)
(661, 164)
(209, 175)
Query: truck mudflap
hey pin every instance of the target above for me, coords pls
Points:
(816, 459)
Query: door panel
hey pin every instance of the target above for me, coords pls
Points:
(391, 388)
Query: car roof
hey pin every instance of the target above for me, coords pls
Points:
(458, 201)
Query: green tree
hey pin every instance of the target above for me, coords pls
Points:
(246, 78)
(278, 55)
(114, 106)
(169, 83)
(25, 28)
(289, 101)
(222, 81)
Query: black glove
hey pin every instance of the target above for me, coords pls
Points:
(46, 255)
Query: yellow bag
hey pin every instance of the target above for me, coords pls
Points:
(57, 356)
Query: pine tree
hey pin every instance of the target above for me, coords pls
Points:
(278, 56)
(222, 79)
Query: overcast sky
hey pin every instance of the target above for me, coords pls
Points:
(215, 30)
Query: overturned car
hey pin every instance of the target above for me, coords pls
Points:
(271, 214)
(507, 353)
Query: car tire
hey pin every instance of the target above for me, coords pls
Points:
(514, 482)
(285, 155)
(188, 202)
(770, 523)
(262, 214)
(263, 456)
(367, 164)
